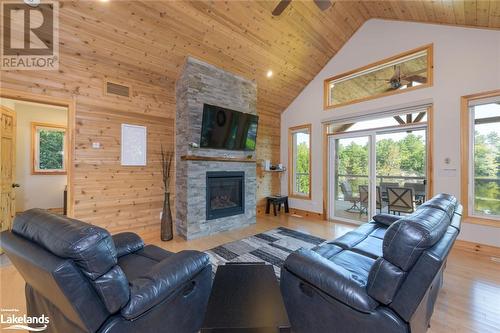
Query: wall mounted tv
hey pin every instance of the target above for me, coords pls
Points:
(228, 129)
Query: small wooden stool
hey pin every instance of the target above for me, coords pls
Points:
(277, 200)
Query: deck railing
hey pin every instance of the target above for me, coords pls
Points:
(356, 180)
(298, 177)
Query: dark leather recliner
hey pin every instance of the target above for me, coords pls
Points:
(382, 277)
(86, 280)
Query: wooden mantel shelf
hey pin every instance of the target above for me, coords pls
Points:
(218, 159)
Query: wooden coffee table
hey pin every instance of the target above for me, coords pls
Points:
(245, 298)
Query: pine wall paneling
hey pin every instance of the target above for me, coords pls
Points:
(145, 43)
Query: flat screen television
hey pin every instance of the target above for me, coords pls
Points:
(228, 129)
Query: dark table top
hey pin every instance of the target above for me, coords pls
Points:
(245, 298)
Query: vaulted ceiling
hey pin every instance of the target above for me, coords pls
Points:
(152, 39)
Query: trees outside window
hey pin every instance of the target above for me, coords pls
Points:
(49, 149)
(480, 181)
(300, 162)
(405, 157)
(486, 159)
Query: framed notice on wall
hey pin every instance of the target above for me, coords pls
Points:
(134, 145)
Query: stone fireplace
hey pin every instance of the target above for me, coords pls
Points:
(225, 194)
(215, 189)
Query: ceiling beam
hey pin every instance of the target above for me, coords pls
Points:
(399, 120)
(419, 117)
(488, 120)
(408, 118)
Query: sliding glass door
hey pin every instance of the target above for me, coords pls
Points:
(375, 170)
(351, 177)
(401, 160)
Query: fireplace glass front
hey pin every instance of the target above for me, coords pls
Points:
(225, 194)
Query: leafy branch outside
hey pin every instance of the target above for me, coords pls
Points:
(51, 150)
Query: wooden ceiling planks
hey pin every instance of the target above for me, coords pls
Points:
(152, 38)
(482, 14)
(239, 36)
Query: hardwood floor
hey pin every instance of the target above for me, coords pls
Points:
(468, 302)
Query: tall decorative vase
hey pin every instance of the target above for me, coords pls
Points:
(166, 220)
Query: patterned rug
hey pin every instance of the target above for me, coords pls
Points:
(272, 247)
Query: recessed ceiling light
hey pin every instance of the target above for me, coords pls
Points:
(269, 74)
(104, 0)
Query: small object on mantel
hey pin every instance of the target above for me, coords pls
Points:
(275, 168)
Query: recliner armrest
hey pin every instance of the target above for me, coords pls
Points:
(330, 278)
(162, 280)
(386, 219)
(126, 243)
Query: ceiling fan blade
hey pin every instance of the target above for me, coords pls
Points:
(281, 7)
(383, 86)
(415, 78)
(323, 4)
(377, 79)
(397, 74)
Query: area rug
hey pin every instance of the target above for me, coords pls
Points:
(272, 247)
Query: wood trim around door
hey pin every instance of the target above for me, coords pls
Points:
(430, 152)
(464, 158)
(7, 188)
(70, 104)
(325, 171)
(291, 130)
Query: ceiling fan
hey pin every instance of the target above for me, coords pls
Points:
(397, 79)
(283, 4)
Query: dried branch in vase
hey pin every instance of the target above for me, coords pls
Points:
(166, 232)
(166, 162)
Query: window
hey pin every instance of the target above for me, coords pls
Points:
(403, 72)
(372, 159)
(399, 120)
(481, 157)
(48, 149)
(299, 177)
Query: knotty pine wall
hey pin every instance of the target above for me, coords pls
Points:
(129, 42)
(106, 193)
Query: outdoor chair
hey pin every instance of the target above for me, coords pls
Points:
(346, 189)
(384, 186)
(363, 199)
(419, 189)
(400, 200)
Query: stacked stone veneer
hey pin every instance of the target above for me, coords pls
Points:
(198, 84)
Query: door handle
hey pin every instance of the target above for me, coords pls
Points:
(14, 185)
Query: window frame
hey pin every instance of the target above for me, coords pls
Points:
(467, 163)
(430, 69)
(291, 170)
(35, 149)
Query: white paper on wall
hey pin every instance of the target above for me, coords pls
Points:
(134, 145)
